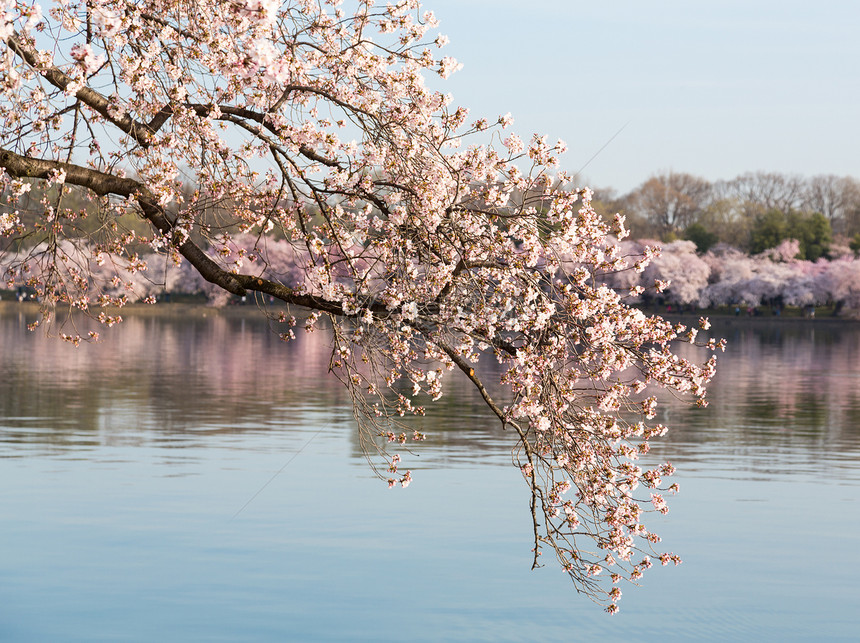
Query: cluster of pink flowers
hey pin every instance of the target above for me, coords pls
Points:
(329, 176)
(726, 276)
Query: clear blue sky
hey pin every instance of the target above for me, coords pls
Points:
(711, 88)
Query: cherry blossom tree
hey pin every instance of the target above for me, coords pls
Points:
(737, 278)
(732, 273)
(307, 131)
(681, 269)
(840, 279)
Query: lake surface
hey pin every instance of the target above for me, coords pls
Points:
(192, 478)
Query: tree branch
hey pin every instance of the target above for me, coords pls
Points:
(463, 365)
(99, 103)
(104, 184)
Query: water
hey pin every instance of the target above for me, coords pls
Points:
(191, 478)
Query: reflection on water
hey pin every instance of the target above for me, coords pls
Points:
(786, 398)
(123, 466)
(166, 375)
(175, 379)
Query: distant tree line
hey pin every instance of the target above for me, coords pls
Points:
(759, 239)
(753, 212)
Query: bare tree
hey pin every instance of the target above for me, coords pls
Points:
(671, 202)
(834, 197)
(767, 190)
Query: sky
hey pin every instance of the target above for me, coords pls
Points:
(714, 89)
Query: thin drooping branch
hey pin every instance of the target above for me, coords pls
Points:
(469, 371)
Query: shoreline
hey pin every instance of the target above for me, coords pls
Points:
(691, 319)
(202, 310)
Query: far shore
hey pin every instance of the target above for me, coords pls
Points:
(688, 318)
(723, 320)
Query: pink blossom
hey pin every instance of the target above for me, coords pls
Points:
(88, 60)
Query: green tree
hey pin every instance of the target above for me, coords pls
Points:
(814, 233)
(812, 230)
(768, 230)
(701, 236)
